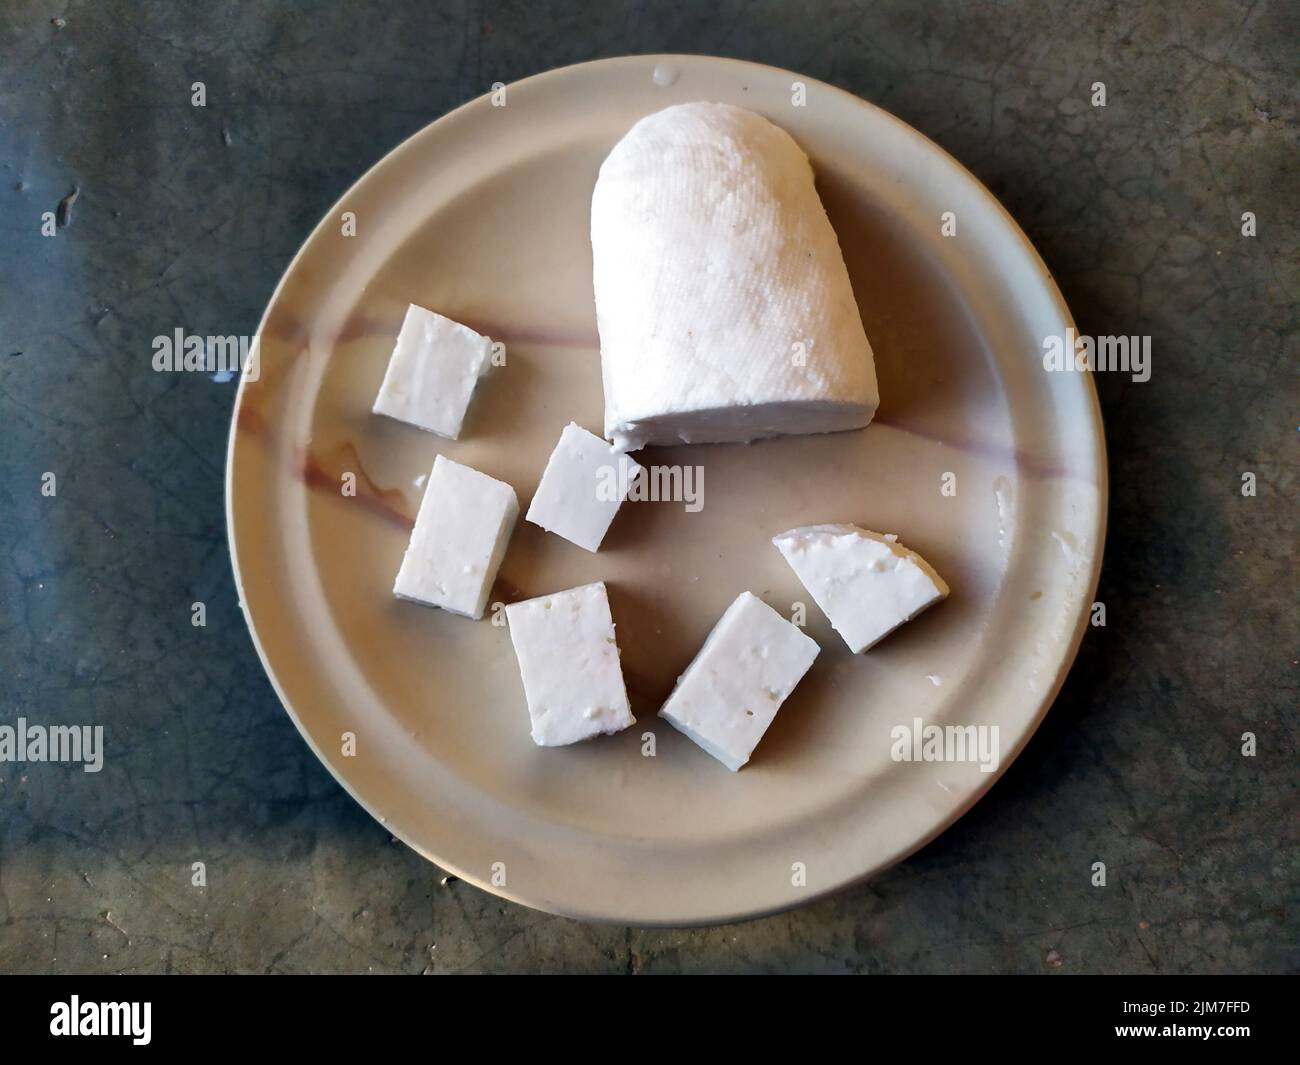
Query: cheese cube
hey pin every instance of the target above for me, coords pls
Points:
(432, 372)
(866, 584)
(731, 692)
(569, 663)
(585, 483)
(460, 537)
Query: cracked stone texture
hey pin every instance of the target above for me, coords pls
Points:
(186, 217)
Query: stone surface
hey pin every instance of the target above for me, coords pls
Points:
(186, 216)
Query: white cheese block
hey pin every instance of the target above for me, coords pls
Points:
(585, 483)
(569, 664)
(724, 307)
(866, 584)
(432, 372)
(459, 540)
(731, 692)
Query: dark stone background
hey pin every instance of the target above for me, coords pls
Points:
(187, 216)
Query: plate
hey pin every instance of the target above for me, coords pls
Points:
(988, 465)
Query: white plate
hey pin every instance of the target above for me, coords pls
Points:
(483, 216)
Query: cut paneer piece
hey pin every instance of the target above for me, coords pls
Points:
(866, 583)
(585, 483)
(432, 372)
(459, 540)
(731, 692)
(723, 303)
(569, 663)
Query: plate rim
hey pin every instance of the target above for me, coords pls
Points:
(1099, 458)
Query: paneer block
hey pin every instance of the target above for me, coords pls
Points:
(584, 484)
(723, 303)
(460, 536)
(568, 659)
(867, 584)
(730, 693)
(432, 372)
